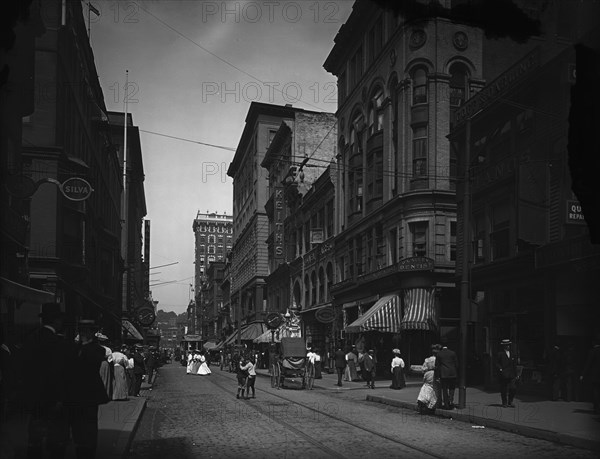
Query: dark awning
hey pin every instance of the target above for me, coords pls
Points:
(24, 293)
(383, 316)
(419, 309)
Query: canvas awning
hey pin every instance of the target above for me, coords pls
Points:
(268, 337)
(383, 316)
(210, 345)
(419, 309)
(24, 293)
(130, 328)
(250, 332)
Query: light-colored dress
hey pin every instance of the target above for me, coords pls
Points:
(190, 363)
(427, 394)
(120, 385)
(106, 371)
(195, 364)
(351, 373)
(203, 369)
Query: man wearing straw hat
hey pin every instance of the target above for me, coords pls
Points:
(506, 364)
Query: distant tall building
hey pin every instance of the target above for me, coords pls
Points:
(214, 234)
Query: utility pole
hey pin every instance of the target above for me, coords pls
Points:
(465, 301)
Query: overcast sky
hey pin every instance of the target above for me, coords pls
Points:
(194, 67)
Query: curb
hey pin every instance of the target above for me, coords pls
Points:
(527, 431)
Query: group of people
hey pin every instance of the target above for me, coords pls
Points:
(348, 364)
(440, 372)
(197, 363)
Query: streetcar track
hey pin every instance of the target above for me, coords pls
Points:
(337, 418)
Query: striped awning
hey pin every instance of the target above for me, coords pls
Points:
(383, 316)
(249, 333)
(419, 309)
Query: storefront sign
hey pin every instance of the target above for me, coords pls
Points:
(416, 264)
(316, 236)
(498, 87)
(325, 315)
(486, 176)
(278, 216)
(76, 189)
(574, 213)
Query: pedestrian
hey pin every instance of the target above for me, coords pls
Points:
(203, 369)
(351, 361)
(120, 385)
(397, 369)
(310, 368)
(190, 363)
(340, 364)
(446, 367)
(150, 365)
(318, 370)
(427, 398)
(241, 374)
(139, 370)
(591, 372)
(221, 359)
(506, 364)
(369, 367)
(43, 371)
(250, 367)
(106, 368)
(554, 370)
(86, 391)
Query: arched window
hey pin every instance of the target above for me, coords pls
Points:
(306, 291)
(419, 85)
(313, 284)
(376, 112)
(329, 280)
(321, 298)
(459, 76)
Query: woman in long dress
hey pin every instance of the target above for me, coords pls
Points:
(120, 386)
(190, 363)
(195, 363)
(351, 360)
(203, 369)
(427, 399)
(398, 381)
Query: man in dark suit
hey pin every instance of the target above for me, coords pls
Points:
(87, 391)
(340, 364)
(506, 364)
(43, 380)
(139, 369)
(446, 368)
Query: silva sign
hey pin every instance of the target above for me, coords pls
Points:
(76, 189)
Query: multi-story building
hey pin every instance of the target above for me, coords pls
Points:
(74, 245)
(134, 249)
(214, 315)
(300, 210)
(532, 267)
(213, 234)
(399, 80)
(249, 264)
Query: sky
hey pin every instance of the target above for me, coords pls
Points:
(193, 68)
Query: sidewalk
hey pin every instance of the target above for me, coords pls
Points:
(571, 423)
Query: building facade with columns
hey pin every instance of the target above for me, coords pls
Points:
(399, 81)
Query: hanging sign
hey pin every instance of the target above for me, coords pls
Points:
(76, 189)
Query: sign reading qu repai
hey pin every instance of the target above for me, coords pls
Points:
(76, 189)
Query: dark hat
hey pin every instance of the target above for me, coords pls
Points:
(371, 351)
(505, 341)
(51, 310)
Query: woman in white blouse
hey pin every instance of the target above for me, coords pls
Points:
(398, 381)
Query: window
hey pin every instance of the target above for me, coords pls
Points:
(356, 67)
(458, 84)
(355, 175)
(419, 78)
(393, 246)
(376, 112)
(419, 239)
(330, 280)
(321, 298)
(500, 234)
(375, 39)
(306, 291)
(420, 151)
(359, 256)
(313, 285)
(272, 133)
(452, 245)
(329, 219)
(479, 238)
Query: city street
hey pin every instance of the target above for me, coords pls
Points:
(198, 416)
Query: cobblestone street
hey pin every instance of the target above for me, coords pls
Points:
(194, 416)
